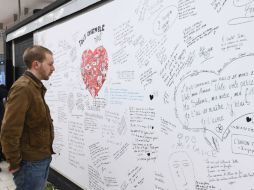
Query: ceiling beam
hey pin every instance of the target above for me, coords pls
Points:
(19, 10)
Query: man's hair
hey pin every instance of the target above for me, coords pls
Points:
(35, 53)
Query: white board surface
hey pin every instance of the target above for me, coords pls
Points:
(154, 95)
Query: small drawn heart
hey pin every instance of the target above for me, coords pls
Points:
(248, 119)
(151, 97)
(94, 69)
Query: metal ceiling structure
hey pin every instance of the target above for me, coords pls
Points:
(14, 11)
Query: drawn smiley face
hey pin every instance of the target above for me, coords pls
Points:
(182, 172)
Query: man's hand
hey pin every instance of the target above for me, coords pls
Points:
(13, 170)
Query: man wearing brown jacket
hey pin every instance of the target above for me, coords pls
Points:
(27, 131)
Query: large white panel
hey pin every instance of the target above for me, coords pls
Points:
(155, 95)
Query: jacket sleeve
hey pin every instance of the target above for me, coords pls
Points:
(13, 123)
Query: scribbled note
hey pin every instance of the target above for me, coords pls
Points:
(144, 133)
(146, 78)
(226, 170)
(123, 36)
(218, 5)
(159, 179)
(165, 20)
(197, 32)
(247, 17)
(99, 155)
(234, 41)
(242, 145)
(173, 65)
(95, 180)
(215, 101)
(186, 8)
(76, 143)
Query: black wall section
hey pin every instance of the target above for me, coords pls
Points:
(8, 65)
(20, 45)
(61, 182)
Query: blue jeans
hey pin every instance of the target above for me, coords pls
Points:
(32, 175)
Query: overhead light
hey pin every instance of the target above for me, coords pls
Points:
(20, 31)
(40, 19)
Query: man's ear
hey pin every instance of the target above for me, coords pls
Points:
(35, 64)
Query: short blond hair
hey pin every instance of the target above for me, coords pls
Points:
(35, 53)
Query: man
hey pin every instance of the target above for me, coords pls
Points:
(27, 129)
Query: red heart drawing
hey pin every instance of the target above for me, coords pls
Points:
(94, 68)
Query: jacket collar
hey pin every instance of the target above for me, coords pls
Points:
(37, 82)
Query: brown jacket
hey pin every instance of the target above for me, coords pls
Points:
(27, 130)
